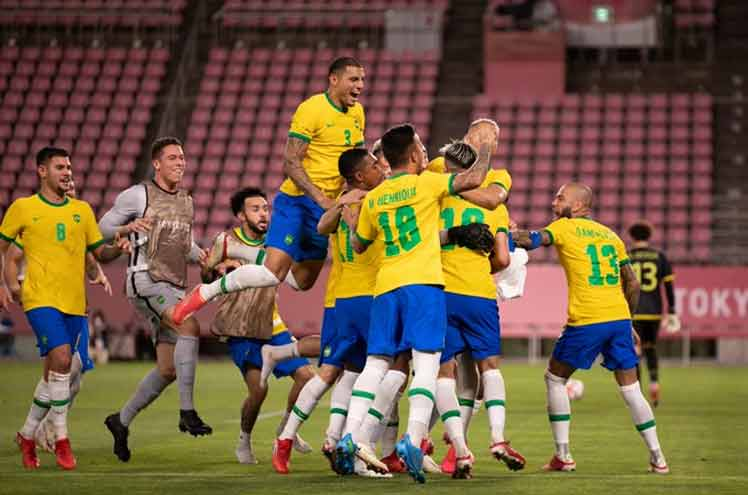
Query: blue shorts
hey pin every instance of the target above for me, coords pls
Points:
(329, 344)
(54, 328)
(294, 228)
(578, 346)
(352, 322)
(246, 352)
(410, 317)
(473, 325)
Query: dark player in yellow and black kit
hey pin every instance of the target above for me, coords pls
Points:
(653, 270)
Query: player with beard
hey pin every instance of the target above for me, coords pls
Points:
(250, 318)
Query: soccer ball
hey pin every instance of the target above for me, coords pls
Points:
(575, 389)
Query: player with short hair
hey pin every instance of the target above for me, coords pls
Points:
(400, 217)
(602, 295)
(57, 232)
(342, 348)
(157, 215)
(323, 126)
(250, 319)
(652, 270)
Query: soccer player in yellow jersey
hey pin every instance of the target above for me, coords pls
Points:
(324, 126)
(473, 320)
(602, 295)
(57, 233)
(401, 218)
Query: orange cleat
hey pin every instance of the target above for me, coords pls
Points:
(28, 452)
(64, 454)
(504, 452)
(557, 464)
(185, 308)
(394, 464)
(448, 466)
(282, 451)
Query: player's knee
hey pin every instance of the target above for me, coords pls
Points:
(304, 374)
(447, 369)
(329, 373)
(490, 363)
(168, 373)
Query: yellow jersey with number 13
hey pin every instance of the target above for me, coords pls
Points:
(402, 216)
(329, 131)
(591, 255)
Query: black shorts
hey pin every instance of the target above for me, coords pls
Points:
(648, 330)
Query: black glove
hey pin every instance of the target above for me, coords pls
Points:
(476, 236)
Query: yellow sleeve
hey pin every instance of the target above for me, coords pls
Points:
(437, 185)
(305, 122)
(437, 165)
(362, 115)
(622, 252)
(501, 178)
(94, 237)
(501, 219)
(556, 231)
(13, 222)
(366, 231)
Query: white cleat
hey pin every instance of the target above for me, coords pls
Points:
(301, 446)
(45, 436)
(430, 466)
(365, 453)
(245, 454)
(269, 363)
(361, 469)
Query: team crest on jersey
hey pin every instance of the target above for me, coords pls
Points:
(327, 351)
(160, 299)
(77, 218)
(289, 239)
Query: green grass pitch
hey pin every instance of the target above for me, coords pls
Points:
(702, 424)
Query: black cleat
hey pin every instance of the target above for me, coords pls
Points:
(120, 434)
(191, 423)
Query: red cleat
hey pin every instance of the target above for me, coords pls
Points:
(448, 466)
(427, 447)
(512, 458)
(64, 454)
(185, 308)
(394, 464)
(282, 451)
(28, 451)
(557, 464)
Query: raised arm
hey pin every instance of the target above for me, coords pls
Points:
(531, 239)
(630, 286)
(489, 197)
(472, 177)
(294, 153)
(329, 222)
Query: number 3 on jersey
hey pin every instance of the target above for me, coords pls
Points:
(405, 222)
(607, 251)
(646, 273)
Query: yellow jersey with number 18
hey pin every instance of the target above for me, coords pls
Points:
(329, 131)
(56, 237)
(591, 255)
(402, 216)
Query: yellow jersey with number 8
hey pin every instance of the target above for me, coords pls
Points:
(55, 240)
(591, 255)
(401, 216)
(329, 131)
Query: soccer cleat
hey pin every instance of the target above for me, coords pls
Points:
(365, 453)
(45, 436)
(393, 463)
(655, 391)
(28, 452)
(412, 457)
(557, 464)
(64, 454)
(463, 467)
(189, 305)
(191, 423)
(658, 468)
(301, 446)
(120, 435)
(346, 449)
(282, 451)
(503, 452)
(329, 451)
(448, 466)
(429, 465)
(245, 453)
(361, 469)
(427, 447)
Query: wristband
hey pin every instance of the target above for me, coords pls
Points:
(536, 239)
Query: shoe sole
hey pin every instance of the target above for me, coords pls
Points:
(195, 432)
(371, 461)
(462, 473)
(565, 469)
(513, 463)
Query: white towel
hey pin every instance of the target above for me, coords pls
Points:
(511, 281)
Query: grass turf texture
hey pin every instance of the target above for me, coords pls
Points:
(702, 424)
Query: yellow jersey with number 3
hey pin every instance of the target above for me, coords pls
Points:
(591, 255)
(401, 216)
(329, 131)
(358, 271)
(468, 272)
(56, 238)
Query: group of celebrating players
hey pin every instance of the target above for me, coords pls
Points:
(414, 248)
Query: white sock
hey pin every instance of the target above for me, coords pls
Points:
(643, 416)
(285, 351)
(467, 385)
(241, 278)
(422, 393)
(447, 406)
(291, 281)
(59, 394)
(558, 409)
(40, 406)
(363, 392)
(381, 407)
(244, 438)
(389, 437)
(494, 401)
(306, 402)
(340, 396)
